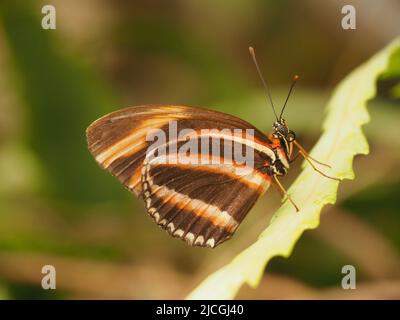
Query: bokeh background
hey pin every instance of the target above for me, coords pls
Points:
(58, 207)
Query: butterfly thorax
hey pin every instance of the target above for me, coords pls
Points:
(282, 144)
(281, 164)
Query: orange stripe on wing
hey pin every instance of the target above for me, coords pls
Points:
(135, 181)
(252, 143)
(200, 208)
(247, 175)
(134, 141)
(131, 143)
(137, 140)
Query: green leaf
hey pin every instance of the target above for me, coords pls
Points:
(341, 140)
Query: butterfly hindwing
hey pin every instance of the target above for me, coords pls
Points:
(203, 206)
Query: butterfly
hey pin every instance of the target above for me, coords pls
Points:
(192, 192)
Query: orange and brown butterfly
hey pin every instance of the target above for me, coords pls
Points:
(201, 202)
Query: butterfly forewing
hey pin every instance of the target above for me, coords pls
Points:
(202, 202)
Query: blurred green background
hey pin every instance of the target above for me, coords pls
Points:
(58, 207)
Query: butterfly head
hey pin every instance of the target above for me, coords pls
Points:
(281, 131)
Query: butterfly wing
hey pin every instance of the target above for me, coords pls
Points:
(202, 206)
(200, 202)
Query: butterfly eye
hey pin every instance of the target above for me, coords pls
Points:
(290, 136)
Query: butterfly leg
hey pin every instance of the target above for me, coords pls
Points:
(282, 190)
(316, 169)
(305, 154)
(295, 157)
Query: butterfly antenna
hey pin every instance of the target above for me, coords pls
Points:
(253, 56)
(295, 78)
